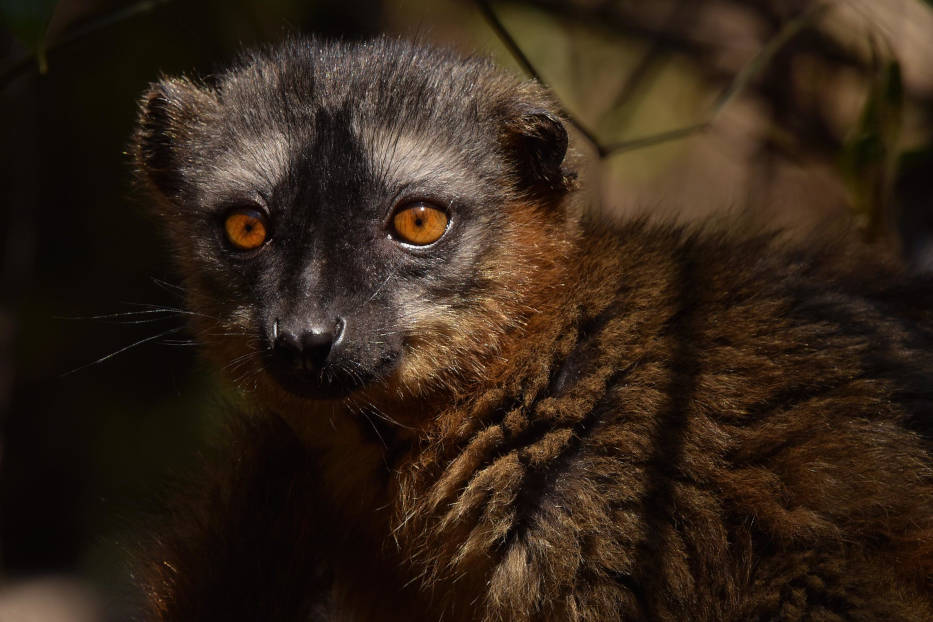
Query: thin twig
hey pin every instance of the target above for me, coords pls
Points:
(515, 50)
(749, 72)
(736, 87)
(764, 57)
(21, 65)
(656, 52)
(656, 139)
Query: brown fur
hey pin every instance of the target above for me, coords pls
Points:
(693, 428)
(642, 423)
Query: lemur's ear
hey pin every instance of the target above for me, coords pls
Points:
(538, 141)
(170, 112)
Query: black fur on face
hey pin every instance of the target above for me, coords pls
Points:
(327, 142)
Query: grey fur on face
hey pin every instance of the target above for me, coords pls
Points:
(328, 141)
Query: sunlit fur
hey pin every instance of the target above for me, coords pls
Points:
(584, 422)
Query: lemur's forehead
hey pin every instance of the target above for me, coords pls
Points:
(260, 152)
(258, 163)
(252, 164)
(405, 157)
(378, 112)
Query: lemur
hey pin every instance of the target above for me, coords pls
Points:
(469, 400)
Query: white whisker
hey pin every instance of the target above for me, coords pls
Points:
(124, 349)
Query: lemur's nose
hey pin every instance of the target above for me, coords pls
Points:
(306, 349)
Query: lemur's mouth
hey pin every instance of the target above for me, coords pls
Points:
(327, 382)
(310, 361)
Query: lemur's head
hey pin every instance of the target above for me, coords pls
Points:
(358, 215)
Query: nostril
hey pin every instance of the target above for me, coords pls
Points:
(286, 345)
(287, 341)
(316, 347)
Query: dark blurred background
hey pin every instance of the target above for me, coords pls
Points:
(835, 124)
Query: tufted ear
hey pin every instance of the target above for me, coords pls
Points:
(537, 140)
(170, 113)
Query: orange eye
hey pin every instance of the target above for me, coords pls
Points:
(419, 224)
(245, 228)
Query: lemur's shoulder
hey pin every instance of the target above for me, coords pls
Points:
(706, 399)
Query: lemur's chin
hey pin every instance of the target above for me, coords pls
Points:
(319, 384)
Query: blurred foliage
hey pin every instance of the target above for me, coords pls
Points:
(28, 20)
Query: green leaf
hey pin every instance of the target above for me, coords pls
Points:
(28, 20)
(869, 157)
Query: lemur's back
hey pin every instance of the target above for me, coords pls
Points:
(498, 411)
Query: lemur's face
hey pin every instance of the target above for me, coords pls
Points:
(355, 216)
